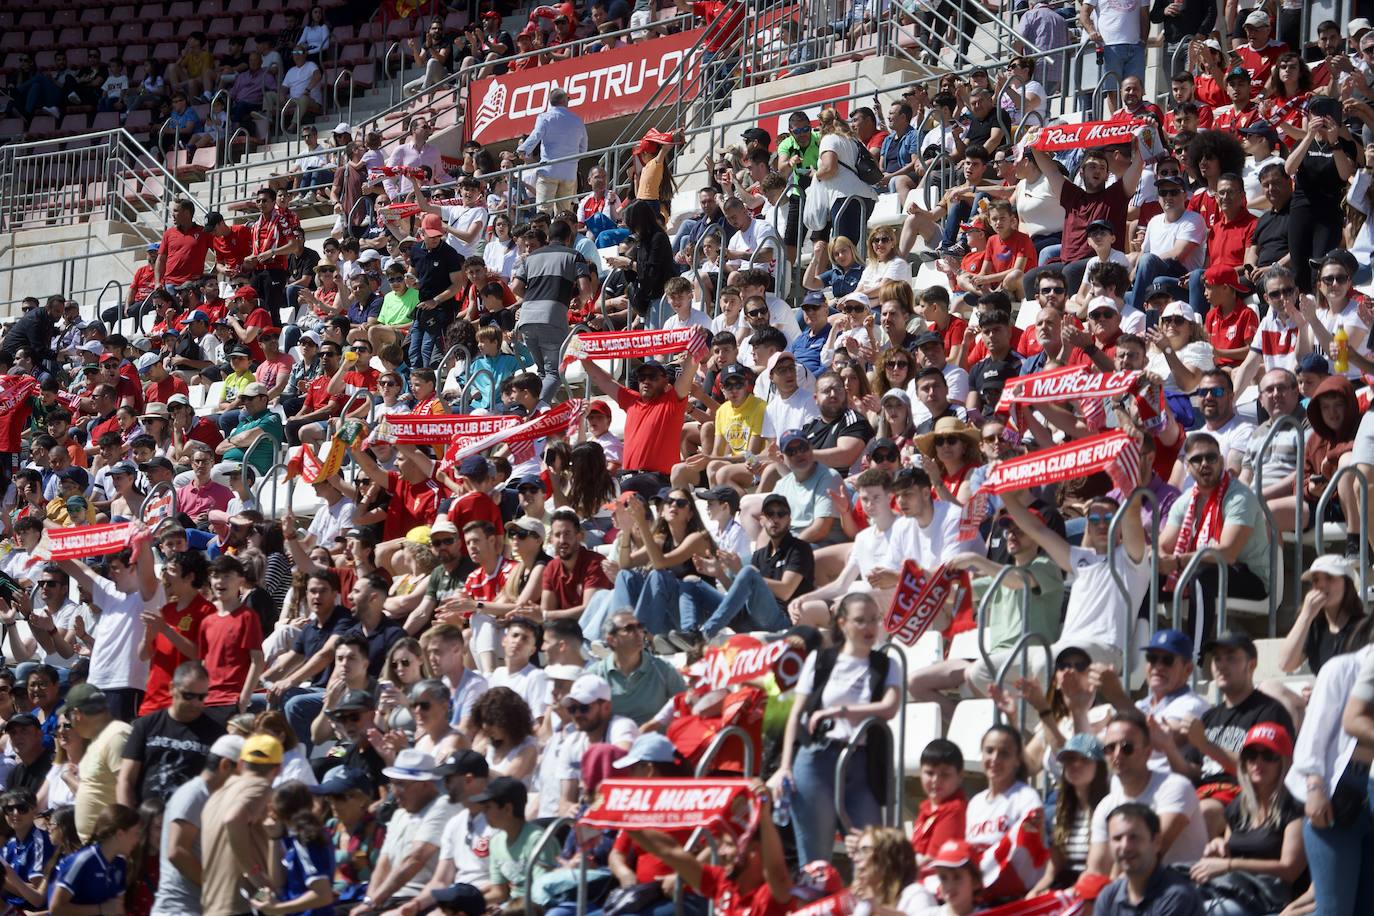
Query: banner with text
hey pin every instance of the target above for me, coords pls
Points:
(745, 658)
(601, 86)
(87, 541)
(920, 597)
(423, 429)
(1067, 383)
(694, 341)
(1086, 135)
(674, 804)
(554, 422)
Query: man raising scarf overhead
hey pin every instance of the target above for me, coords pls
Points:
(1219, 512)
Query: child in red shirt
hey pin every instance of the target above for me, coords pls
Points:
(1010, 252)
(230, 640)
(940, 817)
(1231, 325)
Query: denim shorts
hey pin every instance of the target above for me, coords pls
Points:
(1125, 60)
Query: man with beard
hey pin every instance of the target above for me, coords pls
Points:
(1133, 831)
(1232, 432)
(839, 434)
(168, 747)
(445, 582)
(574, 576)
(589, 705)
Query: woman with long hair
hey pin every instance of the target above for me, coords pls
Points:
(1289, 84)
(838, 202)
(846, 267)
(837, 690)
(59, 786)
(885, 871)
(1070, 699)
(300, 866)
(1038, 209)
(952, 452)
(405, 666)
(1263, 838)
(294, 765)
(586, 489)
(505, 734)
(1330, 615)
(524, 583)
(1337, 305)
(1180, 353)
(1000, 808)
(884, 263)
(892, 369)
(656, 573)
(858, 396)
(102, 863)
(500, 251)
(1082, 785)
(895, 421)
(653, 263)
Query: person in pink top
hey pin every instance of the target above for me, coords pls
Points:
(202, 494)
(275, 368)
(415, 154)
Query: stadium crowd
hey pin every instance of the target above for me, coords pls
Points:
(378, 711)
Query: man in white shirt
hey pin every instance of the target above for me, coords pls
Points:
(927, 531)
(466, 221)
(754, 282)
(1183, 830)
(414, 834)
(1175, 240)
(415, 154)
(302, 81)
(790, 405)
(559, 134)
(1233, 434)
(333, 519)
(1170, 703)
(588, 704)
(464, 849)
(754, 242)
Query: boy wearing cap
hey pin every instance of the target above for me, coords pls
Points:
(1230, 324)
(234, 840)
(733, 459)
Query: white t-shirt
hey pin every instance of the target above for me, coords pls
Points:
(620, 730)
(696, 318)
(530, 682)
(848, 685)
(1117, 20)
(466, 694)
(549, 778)
(115, 664)
(782, 414)
(756, 237)
(332, 521)
(929, 546)
(1355, 329)
(1175, 707)
(876, 272)
(297, 81)
(1196, 355)
(463, 219)
(1233, 437)
(871, 550)
(989, 817)
(467, 844)
(1167, 793)
(1096, 613)
(733, 539)
(1162, 236)
(782, 317)
(1038, 208)
(1250, 175)
(425, 826)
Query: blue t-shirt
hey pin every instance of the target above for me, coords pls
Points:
(304, 865)
(842, 281)
(88, 877)
(807, 349)
(501, 366)
(897, 152)
(27, 857)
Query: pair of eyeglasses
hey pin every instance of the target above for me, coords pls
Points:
(519, 534)
(1101, 314)
(396, 280)
(855, 308)
(1162, 659)
(442, 542)
(48, 583)
(1173, 319)
(1282, 292)
(193, 696)
(578, 709)
(882, 455)
(677, 502)
(733, 384)
(796, 450)
(1332, 279)
(1099, 518)
(882, 240)
(421, 705)
(1202, 458)
(389, 383)
(628, 628)
(1127, 748)
(947, 440)
(18, 809)
(1212, 391)
(1264, 754)
(401, 662)
(1052, 290)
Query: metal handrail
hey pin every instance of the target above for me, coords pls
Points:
(1185, 579)
(891, 813)
(550, 833)
(398, 83)
(1286, 421)
(1113, 529)
(348, 118)
(119, 296)
(891, 648)
(1022, 648)
(270, 476)
(718, 742)
(464, 401)
(981, 612)
(1320, 513)
(1101, 91)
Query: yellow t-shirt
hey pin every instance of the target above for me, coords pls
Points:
(99, 772)
(737, 425)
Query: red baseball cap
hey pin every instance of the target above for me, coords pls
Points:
(1269, 735)
(952, 854)
(1221, 275)
(106, 357)
(432, 225)
(246, 292)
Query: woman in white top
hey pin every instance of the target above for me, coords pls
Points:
(1335, 304)
(1360, 198)
(835, 693)
(59, 786)
(1019, 91)
(1179, 354)
(499, 251)
(315, 35)
(1037, 205)
(885, 872)
(1000, 808)
(838, 202)
(505, 734)
(884, 262)
(430, 702)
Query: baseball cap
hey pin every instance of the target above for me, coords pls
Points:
(813, 298)
(491, 14)
(1169, 181)
(776, 499)
(756, 133)
(343, 128)
(1083, 744)
(464, 898)
(443, 525)
(474, 466)
(1332, 565)
(1162, 287)
(432, 225)
(77, 476)
(311, 337)
(1358, 25)
(1102, 302)
(22, 718)
(1101, 225)
(227, 747)
(354, 701)
(1258, 19)
(533, 525)
(157, 463)
(245, 292)
(178, 399)
(147, 361)
(881, 442)
(927, 337)
(777, 358)
(1262, 129)
(503, 790)
(792, 437)
(253, 390)
(154, 246)
(720, 494)
(367, 257)
(261, 749)
(1314, 362)
(1222, 275)
(531, 481)
(1237, 73)
(238, 350)
(650, 748)
(1174, 642)
(342, 780)
(977, 224)
(1269, 735)
(1232, 639)
(1179, 309)
(596, 405)
(468, 762)
(653, 366)
(563, 672)
(951, 854)
(123, 467)
(735, 370)
(588, 688)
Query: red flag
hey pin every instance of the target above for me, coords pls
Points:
(1087, 134)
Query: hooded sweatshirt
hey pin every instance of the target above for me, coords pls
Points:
(1324, 444)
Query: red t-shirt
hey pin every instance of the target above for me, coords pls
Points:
(226, 644)
(1209, 92)
(1204, 118)
(1228, 332)
(1229, 119)
(647, 867)
(1260, 62)
(653, 430)
(1166, 455)
(936, 823)
(731, 901)
(1002, 255)
(317, 396)
(1082, 208)
(185, 252)
(203, 429)
(159, 392)
(166, 657)
(1204, 203)
(143, 283)
(130, 388)
(258, 318)
(723, 21)
(364, 379)
(412, 504)
(569, 585)
(230, 250)
(483, 587)
(1228, 240)
(475, 507)
(953, 333)
(269, 232)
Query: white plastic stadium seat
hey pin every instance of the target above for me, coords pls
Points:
(972, 719)
(922, 727)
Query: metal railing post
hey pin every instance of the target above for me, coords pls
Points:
(550, 833)
(842, 767)
(1352, 470)
(1022, 649)
(982, 616)
(1185, 579)
(1113, 529)
(717, 742)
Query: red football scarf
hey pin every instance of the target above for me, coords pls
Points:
(553, 422)
(1087, 134)
(87, 541)
(1013, 864)
(398, 171)
(841, 904)
(1191, 535)
(1116, 453)
(1066, 383)
(919, 598)
(636, 344)
(745, 658)
(1053, 903)
(425, 429)
(674, 804)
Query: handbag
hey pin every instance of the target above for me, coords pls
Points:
(636, 898)
(1255, 893)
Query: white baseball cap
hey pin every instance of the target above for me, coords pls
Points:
(588, 689)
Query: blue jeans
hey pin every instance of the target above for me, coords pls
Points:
(544, 342)
(1197, 293)
(423, 343)
(301, 708)
(609, 238)
(1341, 860)
(594, 615)
(598, 223)
(814, 823)
(1149, 269)
(748, 597)
(1125, 60)
(229, 420)
(662, 601)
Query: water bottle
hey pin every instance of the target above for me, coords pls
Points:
(1342, 340)
(782, 808)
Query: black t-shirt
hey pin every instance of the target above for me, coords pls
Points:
(1271, 236)
(793, 554)
(1321, 644)
(379, 642)
(1226, 727)
(928, 426)
(989, 376)
(1260, 842)
(433, 268)
(361, 755)
(30, 777)
(980, 129)
(171, 752)
(1318, 184)
(827, 434)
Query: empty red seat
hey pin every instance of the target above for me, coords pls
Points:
(161, 31)
(74, 124)
(100, 36)
(105, 120)
(221, 27)
(93, 15)
(151, 12)
(42, 38)
(71, 37)
(33, 19)
(139, 120)
(181, 9)
(129, 32)
(252, 26)
(167, 51)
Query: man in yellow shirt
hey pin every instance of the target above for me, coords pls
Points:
(104, 735)
(733, 460)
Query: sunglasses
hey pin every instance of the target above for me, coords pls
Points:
(795, 450)
(855, 309)
(1163, 659)
(442, 542)
(884, 455)
(48, 583)
(733, 384)
(578, 709)
(1052, 290)
(397, 280)
(947, 440)
(1173, 319)
(1212, 391)
(678, 502)
(1127, 748)
(390, 383)
(778, 513)
(757, 313)
(421, 705)
(1078, 664)
(1336, 278)
(1202, 458)
(519, 534)
(1169, 192)
(401, 662)
(348, 718)
(1098, 518)
(1264, 754)
(1281, 293)
(882, 240)
(1006, 523)
(628, 628)
(18, 809)
(1101, 314)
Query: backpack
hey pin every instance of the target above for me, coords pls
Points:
(865, 166)
(880, 747)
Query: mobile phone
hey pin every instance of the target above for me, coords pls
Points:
(9, 588)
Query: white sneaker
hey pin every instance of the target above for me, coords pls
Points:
(53, 110)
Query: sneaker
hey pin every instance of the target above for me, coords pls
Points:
(687, 640)
(664, 644)
(53, 110)
(955, 251)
